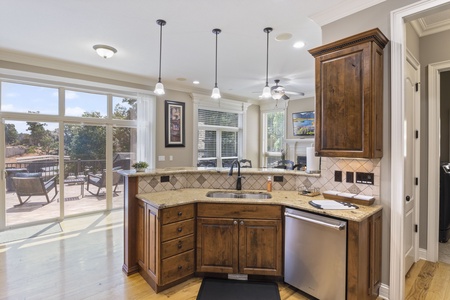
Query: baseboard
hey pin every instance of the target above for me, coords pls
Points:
(384, 291)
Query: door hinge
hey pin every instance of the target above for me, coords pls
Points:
(417, 86)
(417, 180)
(416, 228)
(417, 134)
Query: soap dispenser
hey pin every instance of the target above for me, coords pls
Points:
(269, 183)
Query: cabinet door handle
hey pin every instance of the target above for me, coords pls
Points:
(180, 267)
(180, 213)
(235, 222)
(180, 245)
(242, 223)
(180, 229)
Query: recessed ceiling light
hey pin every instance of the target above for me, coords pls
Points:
(299, 44)
(196, 82)
(283, 37)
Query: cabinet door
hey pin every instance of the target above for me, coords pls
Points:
(343, 104)
(217, 245)
(260, 247)
(151, 242)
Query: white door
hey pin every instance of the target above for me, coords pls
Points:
(411, 164)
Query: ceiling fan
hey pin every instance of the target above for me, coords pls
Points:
(278, 92)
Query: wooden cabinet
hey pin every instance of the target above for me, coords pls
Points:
(165, 244)
(364, 258)
(245, 239)
(349, 96)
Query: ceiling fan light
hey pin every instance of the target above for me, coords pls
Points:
(159, 89)
(215, 93)
(105, 51)
(266, 92)
(278, 92)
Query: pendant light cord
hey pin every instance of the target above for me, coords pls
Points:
(216, 31)
(161, 23)
(267, 30)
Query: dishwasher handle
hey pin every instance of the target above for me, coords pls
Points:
(341, 226)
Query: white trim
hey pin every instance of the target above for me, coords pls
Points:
(384, 291)
(434, 108)
(398, 44)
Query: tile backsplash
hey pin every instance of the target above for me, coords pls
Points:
(323, 182)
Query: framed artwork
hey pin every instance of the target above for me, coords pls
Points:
(174, 123)
(303, 123)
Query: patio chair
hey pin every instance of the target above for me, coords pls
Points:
(32, 184)
(99, 180)
(245, 163)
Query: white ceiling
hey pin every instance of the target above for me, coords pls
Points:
(65, 31)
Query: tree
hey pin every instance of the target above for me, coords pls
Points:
(11, 135)
(87, 141)
(37, 132)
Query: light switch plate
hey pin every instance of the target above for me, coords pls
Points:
(162, 158)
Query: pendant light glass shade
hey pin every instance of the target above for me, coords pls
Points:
(159, 88)
(266, 91)
(216, 92)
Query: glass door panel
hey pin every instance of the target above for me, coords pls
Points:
(32, 168)
(84, 168)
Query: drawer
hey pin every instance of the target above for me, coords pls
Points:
(177, 267)
(176, 230)
(177, 246)
(178, 213)
(250, 211)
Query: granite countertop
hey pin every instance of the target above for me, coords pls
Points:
(287, 198)
(186, 170)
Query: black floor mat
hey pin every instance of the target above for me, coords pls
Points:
(222, 289)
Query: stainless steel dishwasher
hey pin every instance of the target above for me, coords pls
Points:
(315, 256)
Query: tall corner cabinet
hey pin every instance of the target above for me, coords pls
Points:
(349, 96)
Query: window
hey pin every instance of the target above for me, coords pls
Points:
(29, 99)
(219, 138)
(273, 135)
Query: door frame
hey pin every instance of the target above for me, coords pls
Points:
(434, 109)
(398, 54)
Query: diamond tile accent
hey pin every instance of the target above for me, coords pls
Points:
(201, 179)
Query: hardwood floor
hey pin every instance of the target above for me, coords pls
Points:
(428, 281)
(84, 262)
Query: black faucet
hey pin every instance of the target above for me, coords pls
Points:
(238, 182)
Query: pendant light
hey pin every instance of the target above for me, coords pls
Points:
(216, 92)
(159, 88)
(266, 91)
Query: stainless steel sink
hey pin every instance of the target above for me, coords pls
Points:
(238, 194)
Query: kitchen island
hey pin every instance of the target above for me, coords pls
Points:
(167, 232)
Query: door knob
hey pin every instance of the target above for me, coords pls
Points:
(408, 198)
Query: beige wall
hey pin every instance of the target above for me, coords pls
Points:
(182, 156)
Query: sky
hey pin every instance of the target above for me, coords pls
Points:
(44, 100)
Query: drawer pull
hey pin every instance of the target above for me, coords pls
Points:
(180, 267)
(242, 223)
(235, 222)
(180, 229)
(180, 245)
(180, 213)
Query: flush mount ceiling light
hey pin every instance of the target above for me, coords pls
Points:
(216, 92)
(266, 91)
(159, 88)
(105, 51)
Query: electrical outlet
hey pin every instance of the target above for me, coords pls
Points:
(278, 178)
(349, 177)
(338, 176)
(162, 158)
(165, 178)
(365, 178)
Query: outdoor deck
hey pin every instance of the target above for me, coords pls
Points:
(37, 208)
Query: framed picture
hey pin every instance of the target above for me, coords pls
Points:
(174, 123)
(303, 123)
